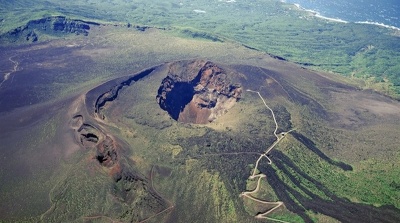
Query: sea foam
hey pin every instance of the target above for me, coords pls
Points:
(318, 15)
(379, 24)
(199, 11)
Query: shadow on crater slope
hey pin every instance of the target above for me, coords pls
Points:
(336, 207)
(197, 91)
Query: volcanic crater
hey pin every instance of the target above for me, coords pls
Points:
(197, 91)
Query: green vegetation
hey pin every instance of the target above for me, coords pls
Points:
(189, 186)
(196, 34)
(287, 217)
(379, 190)
(16, 178)
(372, 182)
(191, 172)
(354, 50)
(74, 191)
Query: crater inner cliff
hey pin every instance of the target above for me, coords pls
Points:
(197, 91)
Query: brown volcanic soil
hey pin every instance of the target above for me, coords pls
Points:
(197, 91)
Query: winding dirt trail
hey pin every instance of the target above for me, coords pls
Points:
(254, 175)
(15, 69)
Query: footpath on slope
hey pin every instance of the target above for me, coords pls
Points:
(8, 74)
(254, 175)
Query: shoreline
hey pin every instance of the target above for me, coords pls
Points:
(378, 24)
(318, 15)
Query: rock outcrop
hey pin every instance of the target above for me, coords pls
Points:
(54, 25)
(109, 91)
(197, 91)
(106, 152)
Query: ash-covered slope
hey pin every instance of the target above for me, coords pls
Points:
(131, 161)
(200, 92)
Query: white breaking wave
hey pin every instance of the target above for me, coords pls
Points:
(316, 14)
(379, 24)
(331, 19)
(199, 11)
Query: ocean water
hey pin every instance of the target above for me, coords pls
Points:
(378, 12)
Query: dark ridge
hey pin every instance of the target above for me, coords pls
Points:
(142, 28)
(91, 137)
(282, 166)
(308, 64)
(277, 57)
(346, 211)
(114, 87)
(77, 116)
(62, 20)
(283, 159)
(88, 22)
(269, 54)
(249, 47)
(311, 146)
(87, 134)
(50, 25)
(201, 35)
(285, 193)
